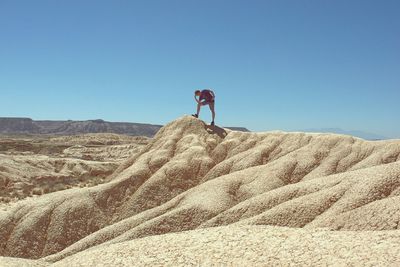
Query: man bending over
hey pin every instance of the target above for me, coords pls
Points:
(206, 97)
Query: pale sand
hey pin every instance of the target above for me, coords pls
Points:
(18, 262)
(248, 246)
(195, 176)
(242, 246)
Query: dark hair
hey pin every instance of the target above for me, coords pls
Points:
(197, 91)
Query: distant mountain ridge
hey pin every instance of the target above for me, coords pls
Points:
(360, 134)
(72, 127)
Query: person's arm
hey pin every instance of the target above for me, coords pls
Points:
(195, 98)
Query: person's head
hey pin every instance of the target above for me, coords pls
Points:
(197, 92)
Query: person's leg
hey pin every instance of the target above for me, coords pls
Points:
(212, 110)
(198, 109)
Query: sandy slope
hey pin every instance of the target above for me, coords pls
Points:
(248, 246)
(195, 176)
(18, 262)
(243, 246)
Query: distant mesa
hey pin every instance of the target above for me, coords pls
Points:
(71, 127)
(98, 121)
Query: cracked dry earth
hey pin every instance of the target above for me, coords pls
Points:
(201, 195)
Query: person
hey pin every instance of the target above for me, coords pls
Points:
(206, 97)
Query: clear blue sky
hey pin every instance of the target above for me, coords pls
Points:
(278, 64)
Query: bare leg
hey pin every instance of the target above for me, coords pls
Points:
(198, 109)
(212, 110)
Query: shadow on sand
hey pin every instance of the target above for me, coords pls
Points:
(216, 130)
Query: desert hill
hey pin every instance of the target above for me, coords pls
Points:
(192, 177)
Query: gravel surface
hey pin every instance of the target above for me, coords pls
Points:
(249, 246)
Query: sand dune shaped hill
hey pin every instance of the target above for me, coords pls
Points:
(193, 176)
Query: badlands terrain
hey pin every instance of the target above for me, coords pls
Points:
(201, 195)
(35, 165)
